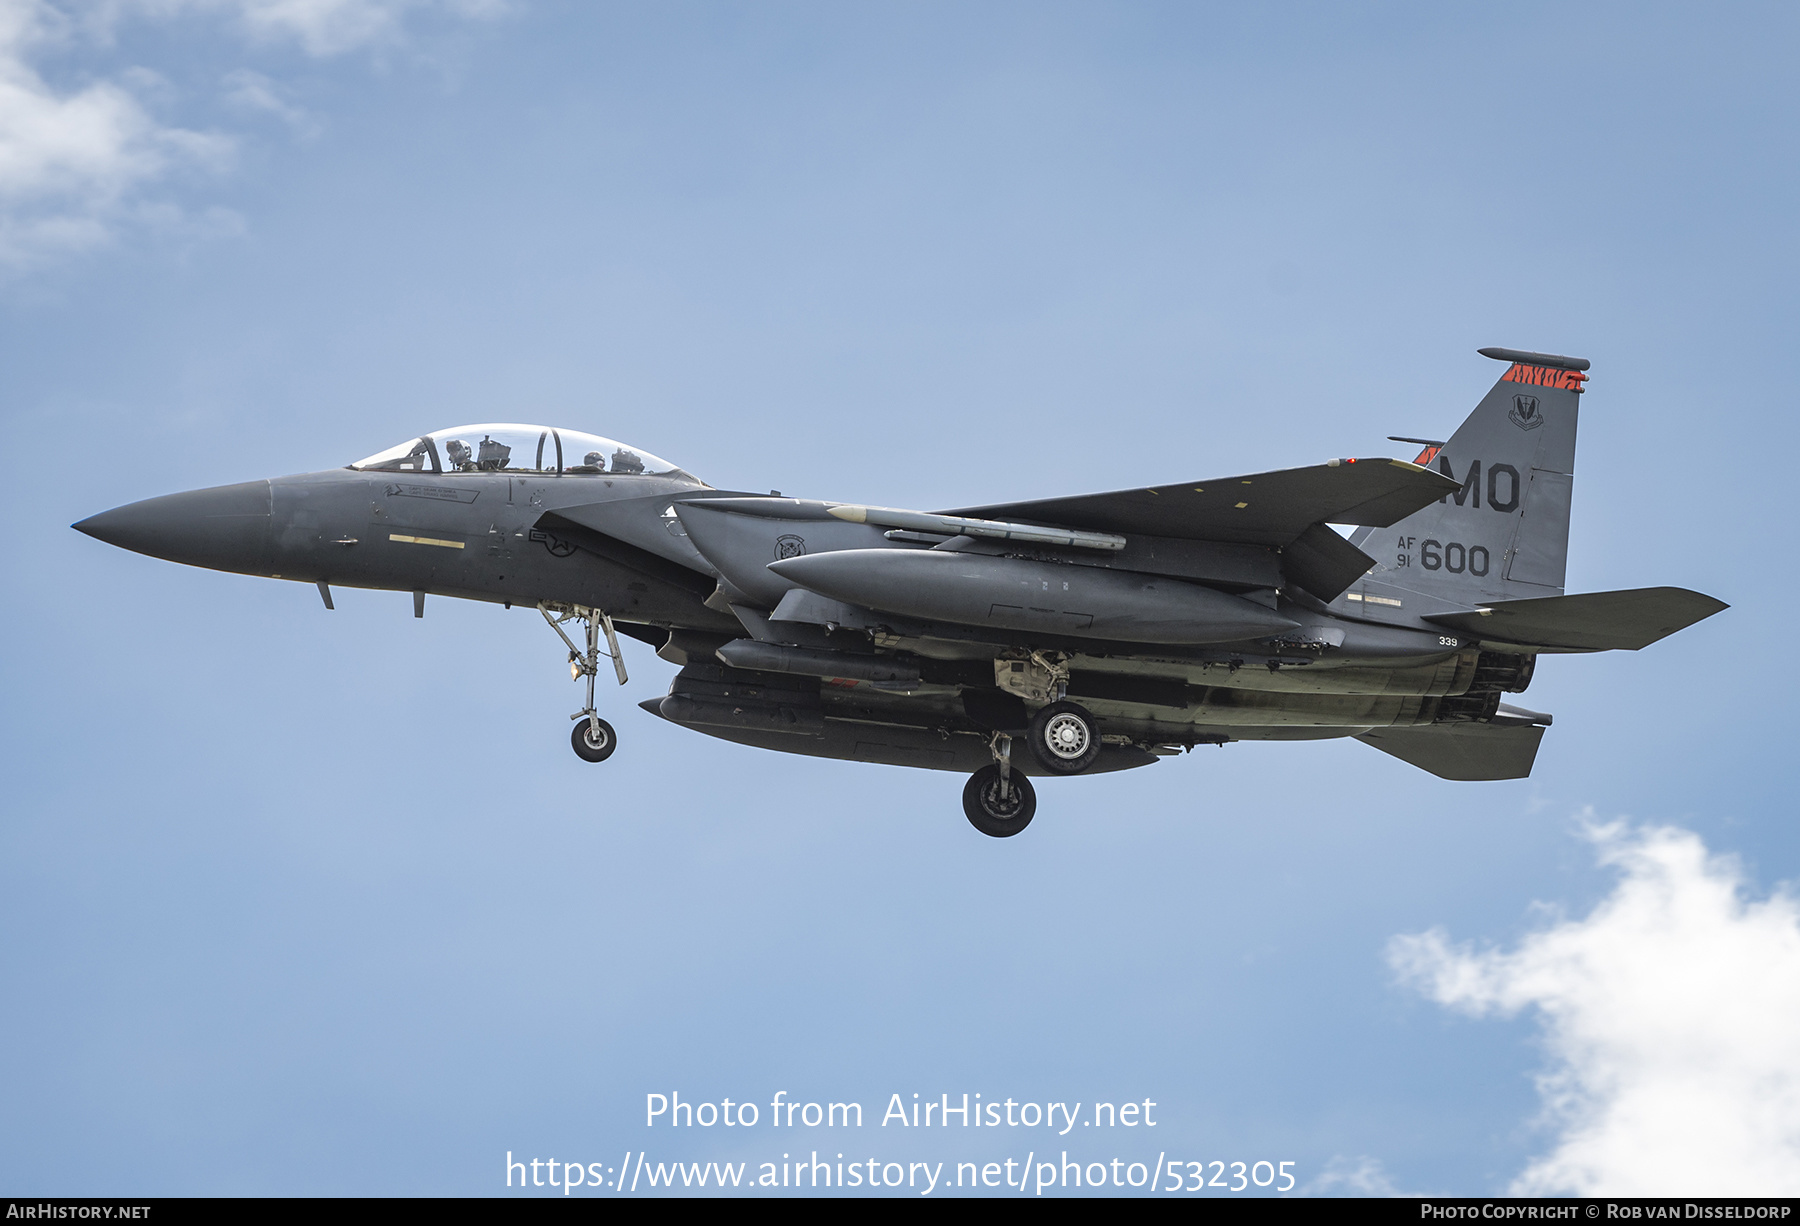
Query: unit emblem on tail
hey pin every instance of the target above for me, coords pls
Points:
(1525, 413)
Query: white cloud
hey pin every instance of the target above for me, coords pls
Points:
(1671, 1014)
(251, 91)
(70, 162)
(1344, 1176)
(321, 27)
(78, 163)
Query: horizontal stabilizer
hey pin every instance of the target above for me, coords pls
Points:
(1259, 509)
(1464, 752)
(1589, 621)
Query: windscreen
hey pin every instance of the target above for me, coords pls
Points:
(513, 448)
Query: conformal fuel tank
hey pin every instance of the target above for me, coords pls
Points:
(1081, 601)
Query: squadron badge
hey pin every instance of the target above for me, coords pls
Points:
(1525, 413)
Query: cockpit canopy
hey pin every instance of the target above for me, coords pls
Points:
(512, 448)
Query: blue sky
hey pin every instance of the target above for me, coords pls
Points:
(298, 902)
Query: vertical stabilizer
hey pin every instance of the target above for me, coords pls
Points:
(1505, 534)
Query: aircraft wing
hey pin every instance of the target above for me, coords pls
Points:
(1588, 621)
(1259, 509)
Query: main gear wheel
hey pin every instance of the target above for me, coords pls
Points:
(999, 806)
(1063, 738)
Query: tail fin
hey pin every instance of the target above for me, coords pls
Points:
(1505, 534)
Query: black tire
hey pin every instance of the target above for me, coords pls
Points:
(988, 813)
(589, 750)
(1063, 738)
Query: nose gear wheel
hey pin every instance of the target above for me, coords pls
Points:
(594, 739)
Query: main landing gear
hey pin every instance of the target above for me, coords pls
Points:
(998, 801)
(593, 738)
(1001, 802)
(1063, 738)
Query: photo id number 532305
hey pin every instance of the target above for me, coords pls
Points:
(1241, 1176)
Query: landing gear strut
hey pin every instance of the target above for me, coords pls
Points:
(593, 739)
(998, 801)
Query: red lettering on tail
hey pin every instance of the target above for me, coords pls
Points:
(1545, 376)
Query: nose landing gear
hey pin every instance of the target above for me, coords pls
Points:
(593, 739)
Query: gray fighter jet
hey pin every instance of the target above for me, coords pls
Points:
(1104, 630)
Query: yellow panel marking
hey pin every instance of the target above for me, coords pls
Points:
(1198, 490)
(424, 540)
(1242, 505)
(1354, 596)
(1381, 600)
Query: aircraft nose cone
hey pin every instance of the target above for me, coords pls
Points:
(225, 528)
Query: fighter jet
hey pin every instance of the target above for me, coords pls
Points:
(1103, 631)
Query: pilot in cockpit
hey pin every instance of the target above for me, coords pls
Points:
(462, 460)
(592, 462)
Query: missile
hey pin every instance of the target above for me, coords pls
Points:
(958, 525)
(914, 521)
(775, 658)
(1015, 594)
